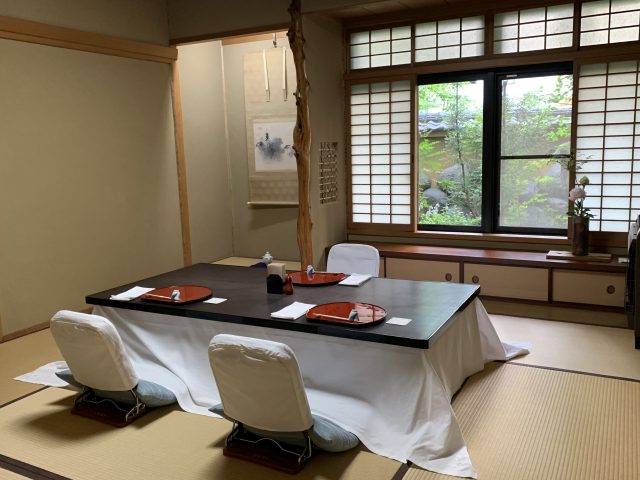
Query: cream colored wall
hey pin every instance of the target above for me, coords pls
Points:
(88, 196)
(222, 224)
(142, 20)
(323, 50)
(256, 229)
(200, 67)
(88, 182)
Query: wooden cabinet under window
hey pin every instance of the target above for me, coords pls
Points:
(588, 287)
(509, 282)
(409, 269)
(516, 276)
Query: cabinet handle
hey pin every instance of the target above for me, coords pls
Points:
(611, 289)
(448, 277)
(475, 279)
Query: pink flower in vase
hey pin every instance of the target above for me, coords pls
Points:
(576, 194)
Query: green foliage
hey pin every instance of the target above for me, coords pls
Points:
(443, 215)
(461, 145)
(531, 125)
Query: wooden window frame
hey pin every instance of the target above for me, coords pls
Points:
(577, 54)
(491, 156)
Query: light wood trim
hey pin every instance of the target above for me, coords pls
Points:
(272, 204)
(24, 331)
(592, 54)
(32, 329)
(228, 33)
(301, 134)
(253, 38)
(183, 193)
(54, 36)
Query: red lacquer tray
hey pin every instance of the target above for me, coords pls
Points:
(316, 278)
(188, 294)
(339, 312)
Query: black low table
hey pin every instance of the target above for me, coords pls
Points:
(430, 305)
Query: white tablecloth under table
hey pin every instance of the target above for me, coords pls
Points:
(396, 399)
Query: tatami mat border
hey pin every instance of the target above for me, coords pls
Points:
(33, 472)
(27, 470)
(404, 468)
(542, 367)
(23, 396)
(36, 473)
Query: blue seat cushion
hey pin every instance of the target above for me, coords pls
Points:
(150, 393)
(324, 434)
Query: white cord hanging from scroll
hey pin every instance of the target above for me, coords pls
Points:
(267, 89)
(284, 73)
(266, 75)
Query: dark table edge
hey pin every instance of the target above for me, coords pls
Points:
(102, 299)
(306, 327)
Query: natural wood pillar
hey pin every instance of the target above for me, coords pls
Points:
(181, 166)
(301, 135)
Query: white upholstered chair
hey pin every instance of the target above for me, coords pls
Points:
(99, 365)
(262, 392)
(353, 258)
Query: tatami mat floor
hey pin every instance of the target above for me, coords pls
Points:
(23, 355)
(571, 346)
(583, 348)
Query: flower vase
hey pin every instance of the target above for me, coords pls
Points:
(580, 236)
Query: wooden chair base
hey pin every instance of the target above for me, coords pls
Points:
(104, 410)
(267, 452)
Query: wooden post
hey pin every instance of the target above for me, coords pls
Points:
(183, 197)
(301, 135)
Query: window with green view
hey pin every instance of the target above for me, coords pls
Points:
(493, 148)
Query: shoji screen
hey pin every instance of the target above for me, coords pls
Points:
(380, 115)
(380, 48)
(542, 28)
(607, 143)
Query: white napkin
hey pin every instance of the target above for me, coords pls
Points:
(215, 300)
(132, 293)
(355, 280)
(293, 311)
(398, 321)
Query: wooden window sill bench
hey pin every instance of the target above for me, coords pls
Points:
(522, 277)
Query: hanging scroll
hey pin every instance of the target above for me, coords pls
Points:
(269, 77)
